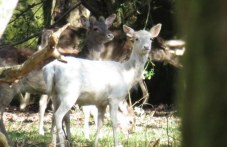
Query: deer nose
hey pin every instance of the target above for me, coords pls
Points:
(110, 36)
(146, 47)
(130, 122)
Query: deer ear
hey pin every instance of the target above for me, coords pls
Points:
(155, 30)
(109, 20)
(85, 22)
(129, 31)
(92, 21)
(101, 18)
(123, 107)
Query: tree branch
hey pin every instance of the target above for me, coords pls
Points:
(92, 6)
(23, 12)
(40, 32)
(13, 73)
(21, 41)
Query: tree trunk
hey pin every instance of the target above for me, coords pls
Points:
(204, 96)
(77, 12)
(47, 12)
(6, 11)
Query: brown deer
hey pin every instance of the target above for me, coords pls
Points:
(173, 50)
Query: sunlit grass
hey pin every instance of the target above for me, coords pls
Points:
(148, 130)
(26, 134)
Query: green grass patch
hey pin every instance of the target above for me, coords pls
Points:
(163, 129)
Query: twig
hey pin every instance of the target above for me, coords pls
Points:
(130, 100)
(144, 89)
(139, 101)
(39, 32)
(148, 13)
(21, 41)
(22, 13)
(90, 7)
(167, 129)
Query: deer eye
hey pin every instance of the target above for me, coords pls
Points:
(136, 39)
(95, 29)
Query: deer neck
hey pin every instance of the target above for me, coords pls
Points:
(134, 68)
(91, 50)
(94, 45)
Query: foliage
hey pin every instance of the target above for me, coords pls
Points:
(26, 21)
(148, 70)
(126, 13)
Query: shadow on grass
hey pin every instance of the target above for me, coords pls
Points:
(29, 139)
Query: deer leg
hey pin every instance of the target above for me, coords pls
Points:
(3, 129)
(101, 112)
(95, 115)
(86, 112)
(58, 118)
(24, 100)
(53, 127)
(42, 107)
(113, 116)
(67, 125)
(65, 105)
(6, 97)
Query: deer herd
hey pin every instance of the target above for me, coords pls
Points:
(100, 75)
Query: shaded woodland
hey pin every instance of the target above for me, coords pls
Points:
(39, 15)
(202, 86)
(57, 16)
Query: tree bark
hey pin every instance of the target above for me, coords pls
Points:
(47, 12)
(13, 73)
(204, 96)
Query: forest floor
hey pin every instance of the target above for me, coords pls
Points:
(158, 126)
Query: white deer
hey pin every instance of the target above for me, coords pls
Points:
(99, 83)
(125, 118)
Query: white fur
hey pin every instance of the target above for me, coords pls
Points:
(99, 83)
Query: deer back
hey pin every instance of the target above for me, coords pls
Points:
(119, 49)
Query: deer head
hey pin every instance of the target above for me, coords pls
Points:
(98, 29)
(126, 117)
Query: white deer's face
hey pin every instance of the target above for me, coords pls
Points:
(142, 39)
(142, 42)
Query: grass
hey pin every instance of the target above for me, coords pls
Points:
(162, 130)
